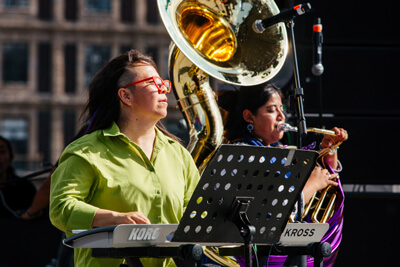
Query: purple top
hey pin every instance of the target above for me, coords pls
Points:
(333, 235)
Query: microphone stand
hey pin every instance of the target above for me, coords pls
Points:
(288, 16)
(301, 121)
(259, 26)
(299, 92)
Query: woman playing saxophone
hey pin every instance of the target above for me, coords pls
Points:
(252, 116)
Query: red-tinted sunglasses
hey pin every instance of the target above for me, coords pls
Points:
(158, 82)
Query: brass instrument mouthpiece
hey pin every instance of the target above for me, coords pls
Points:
(286, 127)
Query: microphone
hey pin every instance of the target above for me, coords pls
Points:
(259, 25)
(317, 69)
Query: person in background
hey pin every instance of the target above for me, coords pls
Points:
(251, 117)
(126, 169)
(16, 194)
(41, 200)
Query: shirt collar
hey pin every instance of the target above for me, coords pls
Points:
(114, 131)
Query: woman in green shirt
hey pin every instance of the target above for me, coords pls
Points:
(127, 169)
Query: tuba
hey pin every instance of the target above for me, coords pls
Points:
(215, 38)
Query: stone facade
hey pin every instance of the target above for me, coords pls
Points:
(50, 114)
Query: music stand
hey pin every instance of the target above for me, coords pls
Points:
(245, 195)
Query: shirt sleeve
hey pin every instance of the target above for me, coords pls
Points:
(72, 185)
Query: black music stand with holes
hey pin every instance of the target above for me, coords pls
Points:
(245, 195)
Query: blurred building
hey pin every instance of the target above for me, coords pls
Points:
(50, 50)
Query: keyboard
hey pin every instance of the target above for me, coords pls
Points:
(145, 235)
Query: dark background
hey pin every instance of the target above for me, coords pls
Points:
(359, 85)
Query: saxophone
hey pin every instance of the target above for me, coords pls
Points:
(321, 206)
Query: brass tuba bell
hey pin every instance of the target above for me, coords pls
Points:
(217, 36)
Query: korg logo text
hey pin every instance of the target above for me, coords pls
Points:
(144, 234)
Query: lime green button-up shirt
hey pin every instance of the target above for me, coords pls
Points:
(106, 170)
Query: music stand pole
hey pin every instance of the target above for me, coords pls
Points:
(246, 229)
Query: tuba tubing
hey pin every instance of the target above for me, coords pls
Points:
(198, 105)
(196, 101)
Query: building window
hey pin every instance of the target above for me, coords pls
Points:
(15, 62)
(44, 64)
(70, 67)
(152, 15)
(125, 48)
(16, 130)
(153, 52)
(71, 10)
(127, 15)
(44, 134)
(45, 9)
(96, 57)
(16, 3)
(98, 5)
(69, 126)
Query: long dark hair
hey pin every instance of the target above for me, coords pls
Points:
(234, 102)
(103, 105)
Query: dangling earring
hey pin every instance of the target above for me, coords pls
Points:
(250, 127)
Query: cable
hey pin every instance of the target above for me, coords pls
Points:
(255, 255)
(269, 254)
